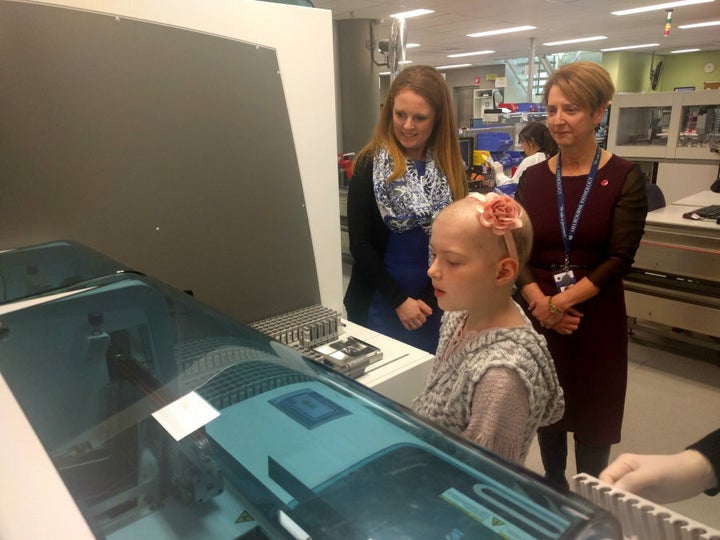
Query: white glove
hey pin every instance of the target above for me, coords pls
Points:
(500, 177)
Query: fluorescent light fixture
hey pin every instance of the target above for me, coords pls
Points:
(579, 40)
(412, 13)
(403, 62)
(501, 31)
(453, 66)
(684, 51)
(657, 7)
(475, 53)
(699, 25)
(412, 45)
(643, 46)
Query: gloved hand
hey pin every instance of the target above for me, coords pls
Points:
(663, 478)
(500, 177)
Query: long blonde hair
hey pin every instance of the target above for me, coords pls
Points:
(427, 82)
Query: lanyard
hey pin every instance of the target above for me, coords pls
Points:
(568, 235)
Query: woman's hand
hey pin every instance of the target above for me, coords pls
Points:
(539, 305)
(568, 322)
(413, 313)
(541, 311)
(533, 295)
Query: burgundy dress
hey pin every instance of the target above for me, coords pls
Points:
(591, 363)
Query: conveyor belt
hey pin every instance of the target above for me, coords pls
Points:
(641, 519)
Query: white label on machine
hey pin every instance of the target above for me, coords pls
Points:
(183, 416)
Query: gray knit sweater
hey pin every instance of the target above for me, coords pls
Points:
(459, 368)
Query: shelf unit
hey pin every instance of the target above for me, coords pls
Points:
(482, 100)
(666, 126)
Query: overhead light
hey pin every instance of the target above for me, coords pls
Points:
(412, 13)
(403, 62)
(580, 40)
(476, 53)
(699, 25)
(453, 66)
(657, 7)
(412, 45)
(501, 31)
(643, 46)
(684, 51)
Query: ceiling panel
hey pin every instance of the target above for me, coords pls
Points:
(444, 32)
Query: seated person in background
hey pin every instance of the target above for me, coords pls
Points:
(493, 380)
(669, 478)
(537, 144)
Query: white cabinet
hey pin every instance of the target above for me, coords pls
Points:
(699, 134)
(666, 125)
(482, 100)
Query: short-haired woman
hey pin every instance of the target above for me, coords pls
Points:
(588, 209)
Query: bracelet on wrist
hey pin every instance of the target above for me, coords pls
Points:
(553, 308)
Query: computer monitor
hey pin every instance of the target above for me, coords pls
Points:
(467, 146)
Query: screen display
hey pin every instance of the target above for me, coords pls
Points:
(308, 408)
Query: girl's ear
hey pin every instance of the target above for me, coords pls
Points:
(507, 270)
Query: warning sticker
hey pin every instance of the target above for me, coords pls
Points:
(483, 515)
(244, 517)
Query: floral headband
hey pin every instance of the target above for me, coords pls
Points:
(501, 214)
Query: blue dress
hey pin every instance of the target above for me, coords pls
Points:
(406, 259)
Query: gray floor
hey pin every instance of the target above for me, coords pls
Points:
(673, 399)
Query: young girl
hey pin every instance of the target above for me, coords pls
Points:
(493, 380)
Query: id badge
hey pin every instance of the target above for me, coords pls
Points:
(563, 280)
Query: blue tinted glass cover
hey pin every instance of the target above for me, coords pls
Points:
(295, 446)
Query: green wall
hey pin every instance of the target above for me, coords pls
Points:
(687, 70)
(631, 71)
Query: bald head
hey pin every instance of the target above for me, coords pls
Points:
(463, 216)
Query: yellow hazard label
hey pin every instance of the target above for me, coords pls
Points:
(244, 517)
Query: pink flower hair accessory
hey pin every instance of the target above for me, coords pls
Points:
(501, 214)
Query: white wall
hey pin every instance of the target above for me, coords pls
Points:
(678, 180)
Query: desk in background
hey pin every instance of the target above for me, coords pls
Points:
(703, 198)
(676, 275)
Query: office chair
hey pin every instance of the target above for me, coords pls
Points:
(655, 197)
